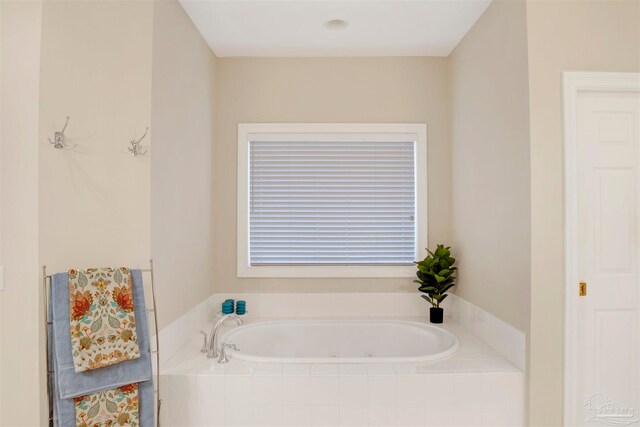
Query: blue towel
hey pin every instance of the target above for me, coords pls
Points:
(68, 384)
(71, 383)
(64, 411)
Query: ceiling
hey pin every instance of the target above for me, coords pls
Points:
(296, 28)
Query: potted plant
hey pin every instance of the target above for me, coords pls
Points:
(436, 275)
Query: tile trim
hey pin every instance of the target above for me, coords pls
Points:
(507, 340)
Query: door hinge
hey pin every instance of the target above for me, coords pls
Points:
(582, 289)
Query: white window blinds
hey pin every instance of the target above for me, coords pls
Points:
(332, 202)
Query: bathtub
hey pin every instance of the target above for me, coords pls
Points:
(340, 341)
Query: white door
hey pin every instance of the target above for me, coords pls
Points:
(607, 132)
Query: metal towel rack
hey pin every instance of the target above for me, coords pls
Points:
(46, 284)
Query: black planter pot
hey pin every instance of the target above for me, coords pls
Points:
(436, 315)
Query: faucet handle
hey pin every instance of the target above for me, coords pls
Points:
(223, 358)
(231, 346)
(205, 347)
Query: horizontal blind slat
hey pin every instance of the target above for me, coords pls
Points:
(332, 203)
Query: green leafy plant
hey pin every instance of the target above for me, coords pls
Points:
(436, 275)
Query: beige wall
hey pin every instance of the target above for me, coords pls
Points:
(97, 205)
(386, 90)
(20, 347)
(182, 116)
(562, 36)
(96, 68)
(91, 206)
(490, 122)
(94, 200)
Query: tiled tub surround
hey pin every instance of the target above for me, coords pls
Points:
(474, 387)
(504, 338)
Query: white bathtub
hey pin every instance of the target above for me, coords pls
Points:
(340, 341)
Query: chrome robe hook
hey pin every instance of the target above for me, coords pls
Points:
(59, 138)
(135, 149)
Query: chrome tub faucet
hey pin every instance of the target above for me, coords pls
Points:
(212, 341)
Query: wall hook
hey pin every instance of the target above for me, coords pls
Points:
(135, 149)
(59, 138)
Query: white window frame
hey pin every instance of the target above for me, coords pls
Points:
(372, 132)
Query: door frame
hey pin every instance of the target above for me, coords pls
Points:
(575, 82)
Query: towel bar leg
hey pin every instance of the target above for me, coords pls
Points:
(157, 352)
(47, 324)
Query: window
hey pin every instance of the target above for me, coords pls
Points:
(331, 200)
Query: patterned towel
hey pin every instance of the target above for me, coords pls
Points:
(117, 407)
(102, 318)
